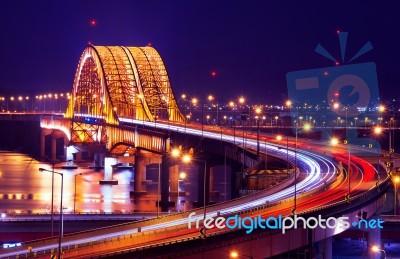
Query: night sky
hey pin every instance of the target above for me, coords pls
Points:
(251, 45)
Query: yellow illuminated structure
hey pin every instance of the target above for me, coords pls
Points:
(114, 82)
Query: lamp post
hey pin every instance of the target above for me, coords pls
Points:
(348, 152)
(158, 189)
(187, 159)
(396, 180)
(307, 127)
(377, 249)
(212, 98)
(257, 117)
(75, 189)
(382, 109)
(60, 233)
(336, 106)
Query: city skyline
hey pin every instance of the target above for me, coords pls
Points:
(240, 48)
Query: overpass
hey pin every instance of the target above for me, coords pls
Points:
(122, 104)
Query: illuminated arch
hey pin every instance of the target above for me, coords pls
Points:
(113, 82)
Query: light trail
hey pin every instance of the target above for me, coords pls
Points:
(310, 162)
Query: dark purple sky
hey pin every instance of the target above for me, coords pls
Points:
(250, 44)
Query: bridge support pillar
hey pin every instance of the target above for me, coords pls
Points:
(53, 148)
(109, 163)
(203, 189)
(140, 173)
(325, 248)
(173, 180)
(42, 145)
(165, 167)
(66, 142)
(98, 158)
(236, 180)
(374, 238)
(78, 155)
(70, 150)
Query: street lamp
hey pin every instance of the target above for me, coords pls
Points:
(60, 233)
(396, 180)
(75, 189)
(258, 112)
(378, 131)
(211, 98)
(336, 105)
(158, 189)
(382, 109)
(235, 254)
(377, 249)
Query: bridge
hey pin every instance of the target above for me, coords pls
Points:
(122, 109)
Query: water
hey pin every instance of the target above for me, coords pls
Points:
(24, 189)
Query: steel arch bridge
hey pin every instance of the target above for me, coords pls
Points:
(114, 82)
(117, 81)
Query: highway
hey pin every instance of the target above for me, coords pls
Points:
(318, 169)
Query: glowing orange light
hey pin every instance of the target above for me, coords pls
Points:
(234, 254)
(335, 105)
(182, 175)
(334, 141)
(378, 130)
(186, 158)
(175, 152)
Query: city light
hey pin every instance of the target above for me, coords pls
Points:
(334, 141)
(186, 158)
(335, 105)
(307, 127)
(234, 254)
(182, 175)
(175, 152)
(378, 130)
